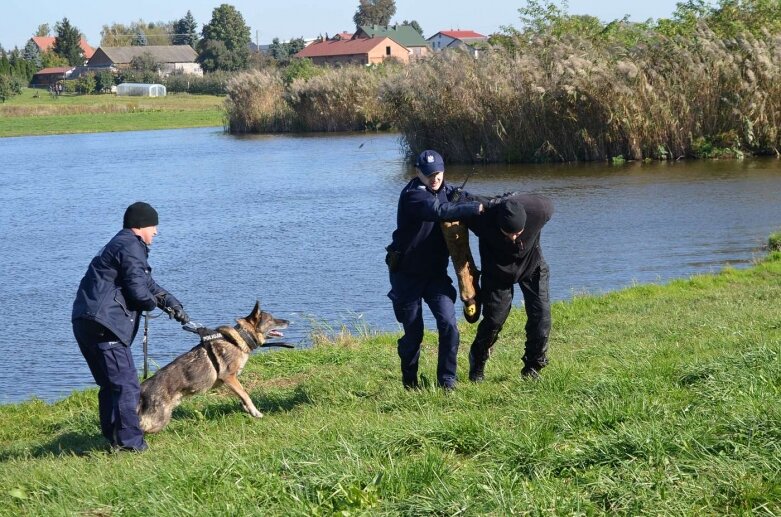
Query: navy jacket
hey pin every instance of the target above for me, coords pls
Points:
(504, 261)
(418, 235)
(118, 286)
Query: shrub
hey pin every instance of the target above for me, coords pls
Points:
(774, 242)
(213, 83)
(86, 84)
(256, 103)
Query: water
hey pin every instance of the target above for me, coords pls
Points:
(300, 222)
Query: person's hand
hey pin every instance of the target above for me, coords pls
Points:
(480, 209)
(179, 315)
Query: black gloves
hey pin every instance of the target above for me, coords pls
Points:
(172, 307)
(179, 315)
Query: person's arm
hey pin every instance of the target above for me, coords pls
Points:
(426, 207)
(132, 269)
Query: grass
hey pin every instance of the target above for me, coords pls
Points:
(660, 400)
(28, 114)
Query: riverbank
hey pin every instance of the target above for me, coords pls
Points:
(36, 112)
(659, 399)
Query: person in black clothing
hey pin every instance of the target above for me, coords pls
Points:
(417, 261)
(115, 290)
(510, 253)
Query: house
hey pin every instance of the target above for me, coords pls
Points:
(464, 40)
(50, 76)
(404, 35)
(172, 58)
(46, 43)
(342, 35)
(363, 51)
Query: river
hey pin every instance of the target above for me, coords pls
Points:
(300, 223)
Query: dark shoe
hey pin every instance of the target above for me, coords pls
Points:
(410, 384)
(530, 373)
(122, 448)
(477, 367)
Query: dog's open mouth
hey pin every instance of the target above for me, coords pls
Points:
(274, 333)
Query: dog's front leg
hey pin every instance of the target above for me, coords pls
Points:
(233, 383)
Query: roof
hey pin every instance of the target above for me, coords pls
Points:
(405, 35)
(54, 70)
(461, 34)
(47, 43)
(160, 53)
(342, 47)
(344, 35)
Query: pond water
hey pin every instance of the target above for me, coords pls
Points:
(300, 223)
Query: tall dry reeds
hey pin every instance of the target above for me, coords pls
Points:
(255, 103)
(563, 98)
(567, 99)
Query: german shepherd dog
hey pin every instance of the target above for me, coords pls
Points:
(218, 359)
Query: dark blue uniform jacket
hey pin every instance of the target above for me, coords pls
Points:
(418, 235)
(118, 286)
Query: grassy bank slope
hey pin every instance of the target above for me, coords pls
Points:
(659, 399)
(44, 115)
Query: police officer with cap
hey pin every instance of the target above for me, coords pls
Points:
(510, 254)
(115, 290)
(418, 259)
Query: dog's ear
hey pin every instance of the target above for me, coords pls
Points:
(254, 316)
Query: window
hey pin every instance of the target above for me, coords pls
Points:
(387, 51)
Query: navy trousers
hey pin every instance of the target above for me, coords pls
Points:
(407, 291)
(114, 370)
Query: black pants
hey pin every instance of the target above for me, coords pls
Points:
(497, 300)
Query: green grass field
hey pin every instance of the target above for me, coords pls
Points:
(659, 400)
(35, 112)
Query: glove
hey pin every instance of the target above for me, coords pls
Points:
(179, 315)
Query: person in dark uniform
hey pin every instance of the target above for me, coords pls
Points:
(510, 253)
(417, 260)
(116, 288)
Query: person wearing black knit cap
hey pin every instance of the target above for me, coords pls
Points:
(115, 290)
(510, 254)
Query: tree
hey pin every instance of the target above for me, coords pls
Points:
(415, 25)
(49, 59)
(86, 84)
(32, 54)
(185, 31)
(145, 63)
(68, 43)
(43, 30)
(9, 86)
(374, 12)
(115, 35)
(226, 40)
(284, 52)
(139, 38)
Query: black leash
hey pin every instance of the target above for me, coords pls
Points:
(147, 317)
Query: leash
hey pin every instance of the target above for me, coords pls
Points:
(147, 317)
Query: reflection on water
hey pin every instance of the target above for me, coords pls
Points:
(300, 222)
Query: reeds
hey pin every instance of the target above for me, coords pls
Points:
(568, 97)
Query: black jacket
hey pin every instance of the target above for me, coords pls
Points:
(418, 235)
(118, 286)
(508, 262)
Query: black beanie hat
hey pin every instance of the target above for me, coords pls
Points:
(140, 215)
(512, 216)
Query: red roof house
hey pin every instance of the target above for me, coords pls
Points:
(357, 51)
(45, 43)
(458, 38)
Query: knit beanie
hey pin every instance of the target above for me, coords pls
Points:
(140, 215)
(512, 216)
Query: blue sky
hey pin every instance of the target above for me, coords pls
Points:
(292, 18)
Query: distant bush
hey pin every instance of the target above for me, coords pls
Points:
(213, 83)
(86, 84)
(774, 242)
(256, 103)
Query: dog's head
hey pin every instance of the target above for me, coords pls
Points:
(262, 325)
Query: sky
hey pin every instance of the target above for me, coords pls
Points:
(287, 19)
